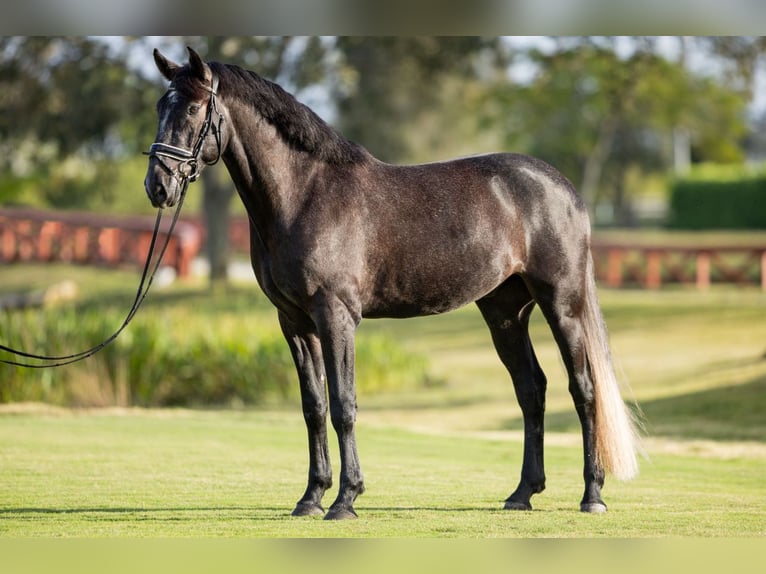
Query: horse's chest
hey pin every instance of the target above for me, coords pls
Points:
(294, 276)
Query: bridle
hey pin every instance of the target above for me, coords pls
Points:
(187, 171)
(188, 166)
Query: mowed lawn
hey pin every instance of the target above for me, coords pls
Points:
(136, 473)
(439, 461)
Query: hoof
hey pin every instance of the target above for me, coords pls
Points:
(307, 509)
(515, 505)
(341, 513)
(593, 507)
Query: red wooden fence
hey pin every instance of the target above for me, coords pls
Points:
(620, 264)
(87, 238)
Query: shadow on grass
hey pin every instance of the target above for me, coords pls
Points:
(275, 513)
(126, 510)
(733, 413)
(158, 514)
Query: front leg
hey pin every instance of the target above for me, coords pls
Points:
(307, 354)
(337, 327)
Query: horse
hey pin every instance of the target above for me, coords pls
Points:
(337, 236)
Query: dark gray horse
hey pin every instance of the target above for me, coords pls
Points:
(337, 235)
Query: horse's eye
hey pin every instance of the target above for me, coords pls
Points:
(193, 109)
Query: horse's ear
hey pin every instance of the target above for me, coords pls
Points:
(198, 67)
(165, 66)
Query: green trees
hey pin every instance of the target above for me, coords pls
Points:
(405, 95)
(68, 108)
(70, 93)
(600, 114)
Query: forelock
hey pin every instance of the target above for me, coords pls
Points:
(188, 85)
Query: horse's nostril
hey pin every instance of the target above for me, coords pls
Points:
(157, 193)
(160, 195)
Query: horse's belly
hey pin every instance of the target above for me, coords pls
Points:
(417, 294)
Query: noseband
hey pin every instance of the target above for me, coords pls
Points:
(188, 167)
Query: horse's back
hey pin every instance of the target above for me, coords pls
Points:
(517, 182)
(442, 235)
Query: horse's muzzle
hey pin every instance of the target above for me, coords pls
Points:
(162, 192)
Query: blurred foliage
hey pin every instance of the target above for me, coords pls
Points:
(596, 114)
(163, 359)
(68, 95)
(102, 185)
(395, 84)
(606, 111)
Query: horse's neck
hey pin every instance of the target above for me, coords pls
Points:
(265, 172)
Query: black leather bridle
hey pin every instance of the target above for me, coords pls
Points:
(188, 166)
(187, 170)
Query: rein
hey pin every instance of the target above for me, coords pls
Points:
(143, 289)
(186, 160)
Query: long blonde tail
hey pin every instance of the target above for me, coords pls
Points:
(616, 433)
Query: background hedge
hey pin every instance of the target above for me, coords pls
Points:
(718, 204)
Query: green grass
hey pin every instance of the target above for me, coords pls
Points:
(237, 474)
(438, 461)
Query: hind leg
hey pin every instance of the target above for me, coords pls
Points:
(506, 312)
(563, 308)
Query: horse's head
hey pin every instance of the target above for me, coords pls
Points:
(189, 133)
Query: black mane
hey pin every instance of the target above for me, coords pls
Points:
(298, 125)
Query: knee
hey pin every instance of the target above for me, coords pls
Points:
(343, 418)
(315, 414)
